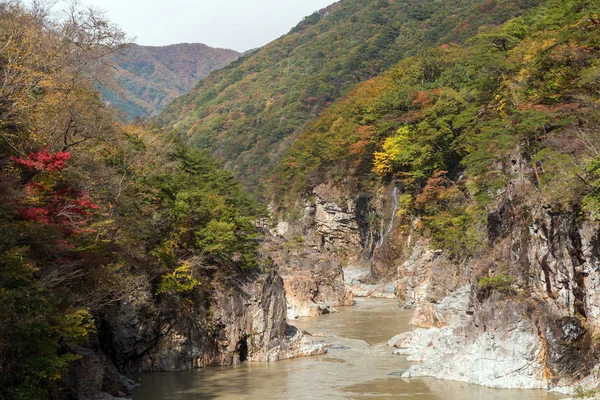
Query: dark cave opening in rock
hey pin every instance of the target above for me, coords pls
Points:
(243, 349)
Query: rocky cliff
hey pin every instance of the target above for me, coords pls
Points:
(330, 250)
(234, 320)
(242, 319)
(522, 313)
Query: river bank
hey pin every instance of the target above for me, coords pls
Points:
(358, 365)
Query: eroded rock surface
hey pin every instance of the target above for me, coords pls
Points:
(531, 327)
(93, 376)
(504, 353)
(335, 236)
(242, 319)
(313, 281)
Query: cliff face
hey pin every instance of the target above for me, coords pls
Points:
(237, 320)
(533, 326)
(325, 252)
(522, 313)
(240, 320)
(313, 281)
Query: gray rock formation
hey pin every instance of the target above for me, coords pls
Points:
(313, 281)
(93, 375)
(241, 319)
(502, 354)
(334, 223)
(522, 313)
(334, 233)
(534, 329)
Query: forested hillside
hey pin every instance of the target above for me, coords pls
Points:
(450, 147)
(467, 177)
(249, 113)
(91, 210)
(445, 124)
(148, 78)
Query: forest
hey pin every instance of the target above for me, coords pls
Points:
(453, 103)
(89, 207)
(250, 112)
(446, 124)
(145, 79)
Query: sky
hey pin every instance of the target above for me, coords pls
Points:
(235, 24)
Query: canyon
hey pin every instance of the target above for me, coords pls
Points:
(414, 185)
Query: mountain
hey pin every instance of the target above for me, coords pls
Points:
(250, 112)
(96, 214)
(149, 78)
(465, 182)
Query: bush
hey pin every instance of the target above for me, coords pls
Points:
(499, 282)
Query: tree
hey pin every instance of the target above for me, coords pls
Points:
(59, 63)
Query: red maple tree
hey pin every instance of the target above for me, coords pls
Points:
(48, 200)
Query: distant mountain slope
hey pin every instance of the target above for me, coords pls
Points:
(251, 111)
(152, 77)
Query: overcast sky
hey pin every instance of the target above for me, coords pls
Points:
(235, 24)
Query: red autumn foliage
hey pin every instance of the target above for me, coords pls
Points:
(65, 209)
(43, 161)
(487, 6)
(49, 203)
(464, 27)
(425, 99)
(550, 109)
(438, 194)
(411, 117)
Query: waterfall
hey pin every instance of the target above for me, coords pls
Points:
(374, 240)
(382, 235)
(394, 209)
(392, 218)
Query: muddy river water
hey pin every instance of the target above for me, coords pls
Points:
(359, 366)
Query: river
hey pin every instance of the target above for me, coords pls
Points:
(360, 366)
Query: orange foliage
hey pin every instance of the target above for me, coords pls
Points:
(549, 108)
(364, 138)
(438, 193)
(411, 117)
(571, 53)
(487, 6)
(424, 99)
